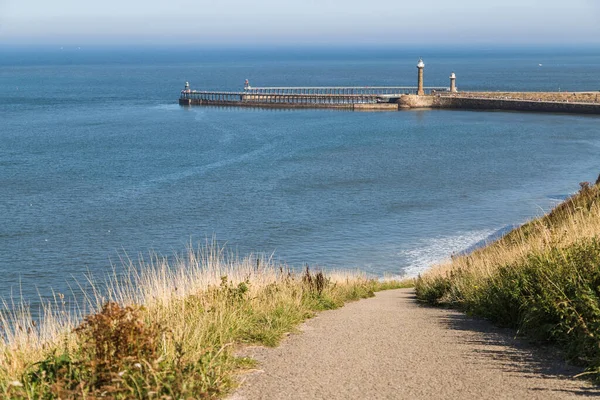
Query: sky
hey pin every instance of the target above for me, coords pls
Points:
(240, 22)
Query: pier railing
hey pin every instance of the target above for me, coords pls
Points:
(338, 90)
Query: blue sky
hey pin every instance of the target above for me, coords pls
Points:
(300, 21)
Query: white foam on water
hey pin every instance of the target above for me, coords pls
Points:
(432, 251)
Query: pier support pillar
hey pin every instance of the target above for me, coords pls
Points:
(420, 67)
(453, 83)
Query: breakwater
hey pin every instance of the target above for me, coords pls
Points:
(468, 103)
(520, 102)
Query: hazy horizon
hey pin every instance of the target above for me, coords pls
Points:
(308, 22)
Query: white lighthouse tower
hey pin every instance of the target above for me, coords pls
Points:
(453, 83)
(420, 67)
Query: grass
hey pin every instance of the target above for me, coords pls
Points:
(542, 279)
(166, 329)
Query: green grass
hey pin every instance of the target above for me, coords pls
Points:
(542, 279)
(169, 331)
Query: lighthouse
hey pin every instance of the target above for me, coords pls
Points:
(420, 67)
(453, 83)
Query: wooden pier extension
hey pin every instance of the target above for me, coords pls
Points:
(358, 97)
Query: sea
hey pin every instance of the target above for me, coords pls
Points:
(99, 163)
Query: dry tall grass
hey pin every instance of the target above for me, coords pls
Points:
(576, 219)
(542, 278)
(164, 328)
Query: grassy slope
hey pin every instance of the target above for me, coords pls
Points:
(542, 278)
(167, 331)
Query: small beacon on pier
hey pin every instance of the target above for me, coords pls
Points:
(420, 67)
(453, 83)
(187, 87)
(247, 85)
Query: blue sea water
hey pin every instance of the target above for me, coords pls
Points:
(97, 160)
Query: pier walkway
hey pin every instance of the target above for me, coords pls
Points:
(318, 97)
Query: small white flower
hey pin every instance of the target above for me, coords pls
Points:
(121, 373)
(15, 383)
(138, 365)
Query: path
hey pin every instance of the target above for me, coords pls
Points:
(390, 347)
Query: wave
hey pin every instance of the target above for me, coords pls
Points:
(432, 251)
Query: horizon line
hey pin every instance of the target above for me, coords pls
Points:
(291, 45)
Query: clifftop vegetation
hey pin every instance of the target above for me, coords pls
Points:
(166, 329)
(542, 278)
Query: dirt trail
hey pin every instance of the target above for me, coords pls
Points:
(389, 347)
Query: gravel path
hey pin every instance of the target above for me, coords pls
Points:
(389, 347)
